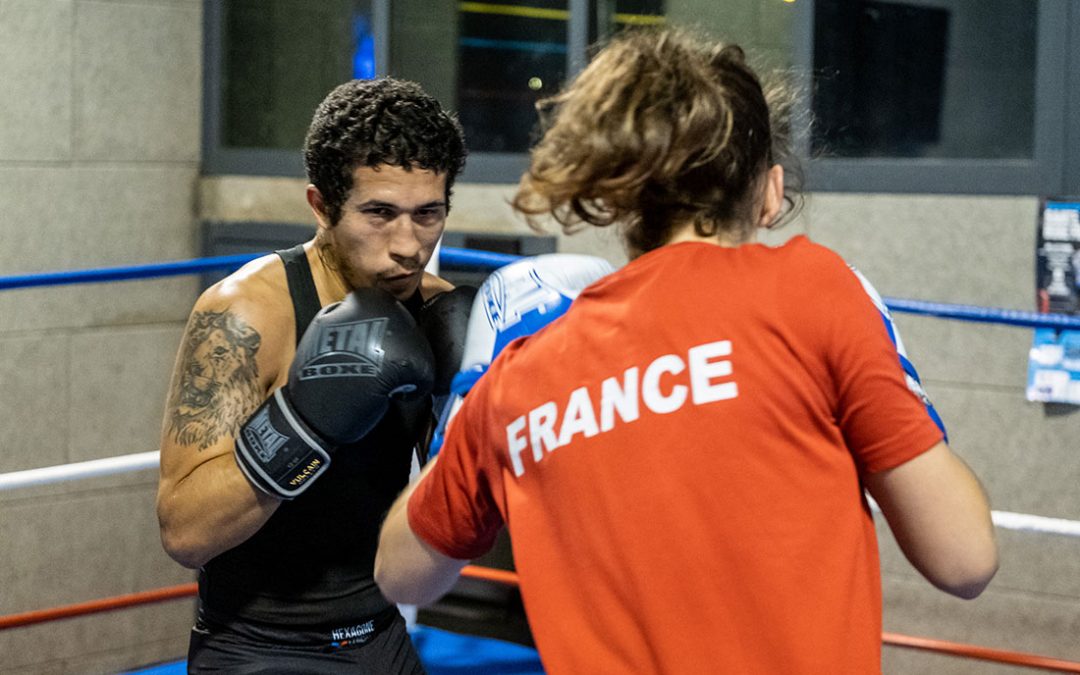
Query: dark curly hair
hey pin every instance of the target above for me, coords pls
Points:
(662, 127)
(373, 122)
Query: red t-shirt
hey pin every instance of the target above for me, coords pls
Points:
(677, 460)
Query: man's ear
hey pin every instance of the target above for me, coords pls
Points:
(318, 207)
(773, 198)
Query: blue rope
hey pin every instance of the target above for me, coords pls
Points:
(1009, 317)
(165, 269)
(487, 260)
(463, 257)
(450, 256)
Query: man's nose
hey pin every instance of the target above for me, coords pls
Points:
(404, 244)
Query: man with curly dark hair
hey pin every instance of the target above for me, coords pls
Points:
(283, 537)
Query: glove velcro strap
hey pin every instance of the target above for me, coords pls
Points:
(277, 452)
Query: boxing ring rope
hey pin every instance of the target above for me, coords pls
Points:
(107, 466)
(98, 606)
(463, 257)
(140, 461)
(486, 259)
(981, 653)
(498, 576)
(508, 578)
(448, 256)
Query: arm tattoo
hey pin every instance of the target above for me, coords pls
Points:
(217, 383)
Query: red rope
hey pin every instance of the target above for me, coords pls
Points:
(509, 578)
(981, 653)
(95, 606)
(504, 577)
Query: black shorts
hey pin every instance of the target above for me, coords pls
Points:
(379, 647)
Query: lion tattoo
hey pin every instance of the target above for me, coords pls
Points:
(217, 381)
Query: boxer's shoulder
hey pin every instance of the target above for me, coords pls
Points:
(252, 305)
(260, 281)
(431, 285)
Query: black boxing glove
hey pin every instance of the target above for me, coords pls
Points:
(444, 321)
(354, 358)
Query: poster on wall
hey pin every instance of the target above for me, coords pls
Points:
(1054, 363)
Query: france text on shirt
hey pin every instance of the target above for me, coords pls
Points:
(550, 426)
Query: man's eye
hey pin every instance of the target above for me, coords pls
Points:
(381, 212)
(428, 214)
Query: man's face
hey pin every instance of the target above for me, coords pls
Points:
(389, 226)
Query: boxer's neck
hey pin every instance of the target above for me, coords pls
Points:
(326, 271)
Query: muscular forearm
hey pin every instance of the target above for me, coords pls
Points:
(209, 511)
(407, 569)
(940, 516)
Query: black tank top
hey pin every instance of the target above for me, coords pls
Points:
(311, 565)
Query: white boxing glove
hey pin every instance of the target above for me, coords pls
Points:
(516, 300)
(910, 374)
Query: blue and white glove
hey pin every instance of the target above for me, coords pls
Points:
(911, 375)
(516, 300)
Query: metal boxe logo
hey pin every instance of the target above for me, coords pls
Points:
(262, 437)
(520, 304)
(345, 350)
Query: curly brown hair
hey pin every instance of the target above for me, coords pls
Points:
(662, 128)
(373, 122)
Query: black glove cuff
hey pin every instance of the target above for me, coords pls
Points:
(277, 452)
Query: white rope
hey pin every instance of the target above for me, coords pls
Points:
(78, 470)
(1027, 523)
(1023, 522)
(149, 460)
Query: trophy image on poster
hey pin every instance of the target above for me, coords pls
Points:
(1054, 363)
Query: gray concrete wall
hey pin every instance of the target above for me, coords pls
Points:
(99, 149)
(975, 250)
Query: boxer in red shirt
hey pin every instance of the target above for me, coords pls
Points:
(681, 457)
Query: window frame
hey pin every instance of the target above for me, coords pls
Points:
(1071, 142)
(507, 167)
(217, 159)
(1054, 169)
(1044, 173)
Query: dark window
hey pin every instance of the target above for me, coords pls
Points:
(280, 58)
(943, 79)
(635, 13)
(510, 55)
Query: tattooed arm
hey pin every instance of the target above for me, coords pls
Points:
(228, 362)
